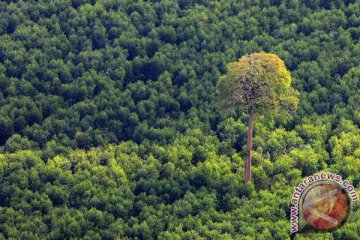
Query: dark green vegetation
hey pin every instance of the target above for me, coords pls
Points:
(138, 80)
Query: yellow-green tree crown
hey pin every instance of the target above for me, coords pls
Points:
(257, 81)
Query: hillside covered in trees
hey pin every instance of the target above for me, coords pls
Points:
(110, 127)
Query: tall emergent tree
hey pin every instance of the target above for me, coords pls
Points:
(257, 83)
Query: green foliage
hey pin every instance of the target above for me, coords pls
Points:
(109, 129)
(257, 82)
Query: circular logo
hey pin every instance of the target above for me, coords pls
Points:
(325, 206)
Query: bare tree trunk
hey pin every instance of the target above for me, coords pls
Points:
(249, 147)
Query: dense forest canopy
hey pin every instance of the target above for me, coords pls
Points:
(109, 126)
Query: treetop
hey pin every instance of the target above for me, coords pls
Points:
(257, 81)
